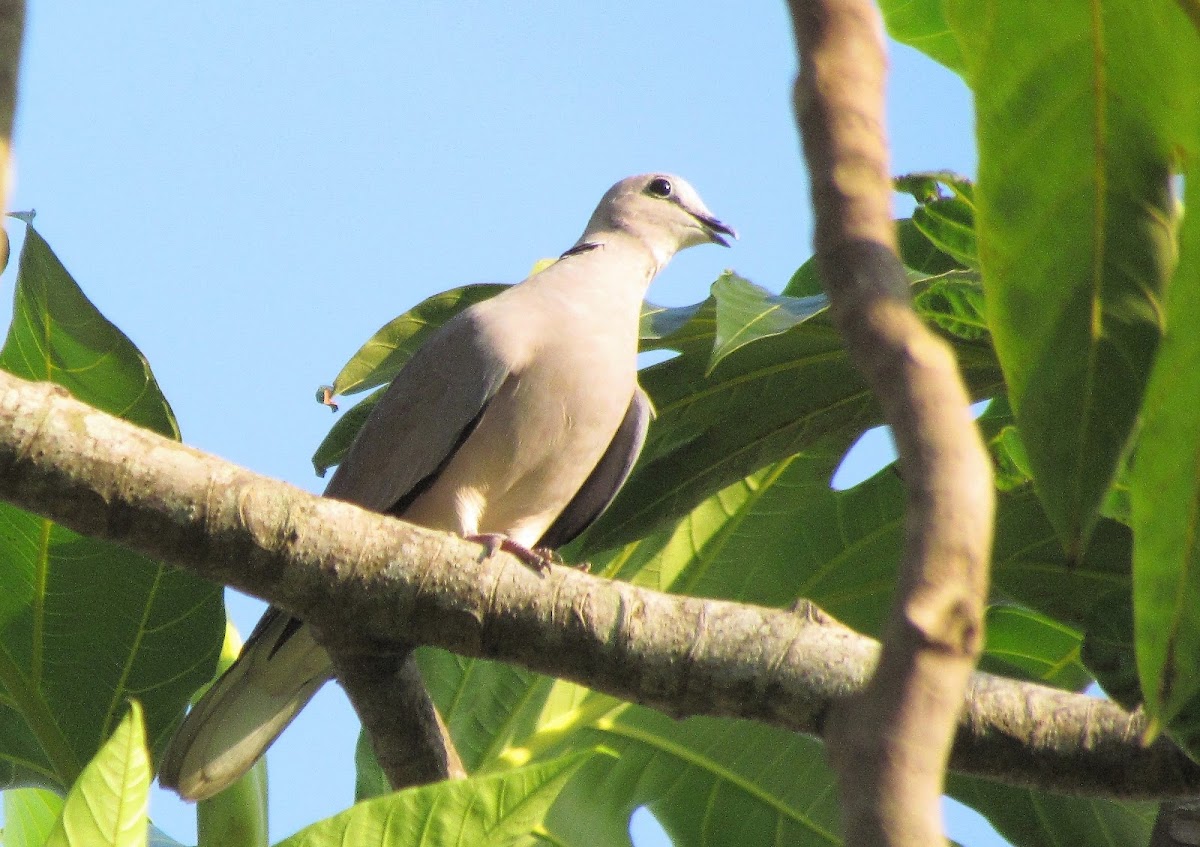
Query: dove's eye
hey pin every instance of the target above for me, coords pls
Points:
(659, 187)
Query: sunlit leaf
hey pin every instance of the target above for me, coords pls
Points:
(380, 359)
(30, 814)
(747, 313)
(500, 810)
(106, 806)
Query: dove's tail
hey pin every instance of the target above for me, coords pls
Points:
(279, 670)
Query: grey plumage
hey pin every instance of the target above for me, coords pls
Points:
(521, 417)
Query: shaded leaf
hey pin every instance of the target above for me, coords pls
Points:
(339, 438)
(1108, 648)
(1024, 644)
(953, 302)
(1010, 461)
(919, 254)
(369, 779)
(238, 813)
(1164, 501)
(806, 282)
(107, 804)
(1075, 259)
(707, 781)
(1029, 565)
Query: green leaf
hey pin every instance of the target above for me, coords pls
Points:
(505, 809)
(1108, 648)
(237, 814)
(107, 804)
(1024, 644)
(953, 302)
(1075, 220)
(1010, 461)
(492, 705)
(379, 360)
(747, 313)
(1037, 819)
(335, 444)
(1029, 566)
(806, 282)
(707, 781)
(922, 24)
(918, 253)
(30, 815)
(73, 608)
(1165, 499)
(948, 222)
(57, 335)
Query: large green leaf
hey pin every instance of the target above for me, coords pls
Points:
(767, 780)
(57, 335)
(1076, 224)
(106, 807)
(84, 625)
(505, 809)
(707, 781)
(1165, 500)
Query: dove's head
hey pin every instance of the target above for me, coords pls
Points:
(661, 210)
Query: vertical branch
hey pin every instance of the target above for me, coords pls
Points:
(410, 740)
(890, 744)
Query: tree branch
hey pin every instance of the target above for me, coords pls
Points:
(361, 577)
(891, 744)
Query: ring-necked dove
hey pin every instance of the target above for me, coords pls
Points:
(515, 424)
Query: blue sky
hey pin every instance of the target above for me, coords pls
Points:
(249, 193)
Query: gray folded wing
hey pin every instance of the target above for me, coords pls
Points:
(428, 411)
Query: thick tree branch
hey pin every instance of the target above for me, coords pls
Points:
(361, 577)
(890, 745)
